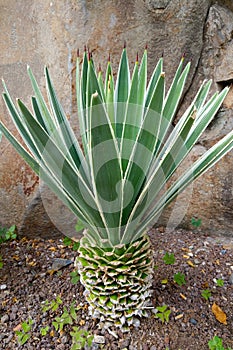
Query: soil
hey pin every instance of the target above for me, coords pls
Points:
(27, 280)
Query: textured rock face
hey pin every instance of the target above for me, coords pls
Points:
(49, 32)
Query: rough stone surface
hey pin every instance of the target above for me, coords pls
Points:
(49, 32)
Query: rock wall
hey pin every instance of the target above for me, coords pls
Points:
(49, 32)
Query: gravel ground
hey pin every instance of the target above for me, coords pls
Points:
(27, 280)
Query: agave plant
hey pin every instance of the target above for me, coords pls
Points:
(114, 179)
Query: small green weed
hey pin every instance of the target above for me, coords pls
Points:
(1, 262)
(169, 258)
(219, 282)
(179, 278)
(7, 234)
(25, 334)
(206, 294)
(68, 242)
(67, 317)
(74, 277)
(51, 305)
(44, 330)
(80, 338)
(163, 313)
(196, 222)
(216, 344)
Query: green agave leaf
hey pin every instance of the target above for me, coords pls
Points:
(62, 170)
(105, 165)
(109, 92)
(48, 119)
(67, 136)
(92, 88)
(20, 124)
(37, 113)
(196, 105)
(101, 85)
(83, 82)
(142, 80)
(132, 119)
(21, 150)
(153, 81)
(81, 97)
(142, 152)
(108, 75)
(121, 92)
(49, 180)
(205, 117)
(172, 100)
(170, 158)
(210, 158)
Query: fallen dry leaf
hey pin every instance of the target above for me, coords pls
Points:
(185, 249)
(15, 257)
(219, 314)
(53, 249)
(179, 316)
(82, 322)
(17, 328)
(183, 296)
(205, 285)
(190, 263)
(186, 256)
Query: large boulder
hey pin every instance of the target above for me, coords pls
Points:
(49, 32)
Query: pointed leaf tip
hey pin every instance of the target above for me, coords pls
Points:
(183, 55)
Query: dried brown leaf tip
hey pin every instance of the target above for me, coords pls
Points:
(219, 314)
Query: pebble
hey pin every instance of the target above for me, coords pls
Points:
(8, 339)
(3, 286)
(99, 339)
(223, 252)
(64, 340)
(193, 321)
(59, 263)
(196, 261)
(231, 279)
(4, 318)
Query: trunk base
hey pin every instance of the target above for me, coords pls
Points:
(117, 281)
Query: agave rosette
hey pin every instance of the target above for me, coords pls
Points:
(113, 180)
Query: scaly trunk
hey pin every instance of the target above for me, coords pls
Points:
(117, 280)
